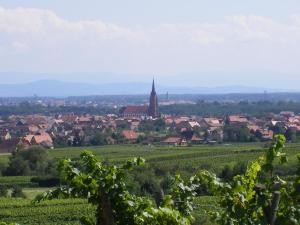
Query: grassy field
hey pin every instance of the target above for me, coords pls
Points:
(184, 160)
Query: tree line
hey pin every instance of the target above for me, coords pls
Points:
(202, 108)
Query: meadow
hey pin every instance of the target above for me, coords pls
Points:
(183, 160)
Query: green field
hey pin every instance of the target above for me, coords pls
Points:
(212, 157)
(57, 212)
(184, 160)
(67, 212)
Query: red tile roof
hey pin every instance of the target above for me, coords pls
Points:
(43, 137)
(135, 109)
(28, 138)
(238, 119)
(172, 140)
(196, 138)
(129, 134)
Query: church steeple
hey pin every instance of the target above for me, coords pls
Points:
(153, 87)
(153, 106)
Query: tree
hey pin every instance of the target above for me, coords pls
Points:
(103, 185)
(31, 161)
(255, 199)
(279, 128)
(98, 139)
(17, 192)
(3, 191)
(152, 125)
(233, 133)
(291, 135)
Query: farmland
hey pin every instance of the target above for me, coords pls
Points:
(51, 212)
(66, 212)
(183, 160)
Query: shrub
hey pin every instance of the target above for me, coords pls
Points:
(3, 191)
(17, 192)
(34, 160)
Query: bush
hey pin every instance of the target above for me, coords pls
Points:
(3, 191)
(3, 166)
(17, 192)
(32, 161)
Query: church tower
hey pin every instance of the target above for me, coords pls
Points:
(153, 106)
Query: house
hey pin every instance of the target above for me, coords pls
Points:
(253, 128)
(267, 135)
(28, 138)
(174, 141)
(36, 120)
(5, 135)
(33, 129)
(215, 134)
(210, 122)
(237, 120)
(169, 120)
(134, 125)
(287, 114)
(187, 125)
(129, 135)
(70, 118)
(42, 138)
(194, 124)
(196, 140)
(21, 122)
(85, 119)
(181, 119)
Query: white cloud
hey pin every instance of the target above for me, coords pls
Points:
(43, 25)
(40, 40)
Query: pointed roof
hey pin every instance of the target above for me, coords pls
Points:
(153, 86)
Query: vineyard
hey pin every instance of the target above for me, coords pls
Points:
(66, 212)
(22, 211)
(221, 154)
(183, 160)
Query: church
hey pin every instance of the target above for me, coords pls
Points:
(140, 111)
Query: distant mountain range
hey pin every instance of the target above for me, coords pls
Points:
(54, 88)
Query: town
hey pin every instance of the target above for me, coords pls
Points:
(149, 112)
(142, 124)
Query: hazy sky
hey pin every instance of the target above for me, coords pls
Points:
(194, 42)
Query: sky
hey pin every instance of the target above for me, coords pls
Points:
(193, 43)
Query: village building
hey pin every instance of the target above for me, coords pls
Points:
(237, 120)
(40, 138)
(5, 135)
(143, 111)
(196, 140)
(129, 135)
(210, 122)
(134, 111)
(174, 141)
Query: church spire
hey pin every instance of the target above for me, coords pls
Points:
(153, 106)
(153, 86)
